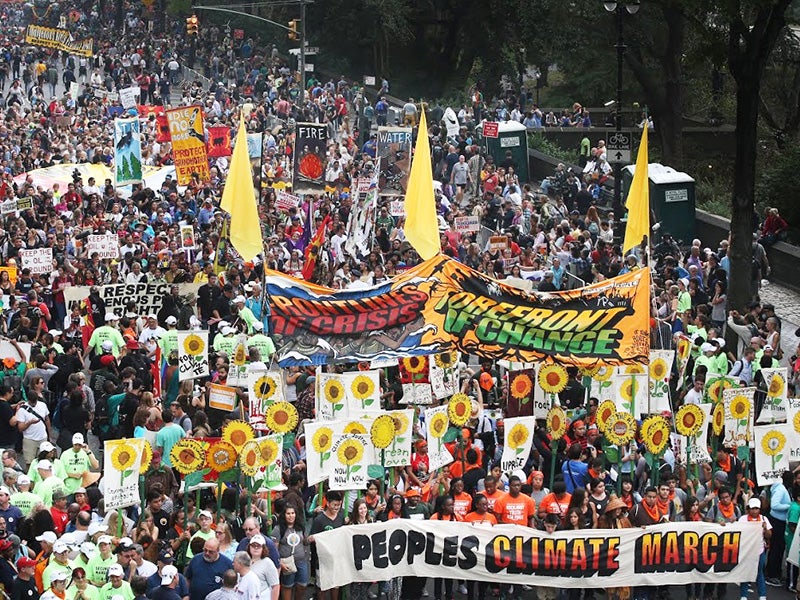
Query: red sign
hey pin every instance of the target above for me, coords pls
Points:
(238, 34)
(490, 129)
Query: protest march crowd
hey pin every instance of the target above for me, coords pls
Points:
(157, 442)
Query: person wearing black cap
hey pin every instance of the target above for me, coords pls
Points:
(154, 581)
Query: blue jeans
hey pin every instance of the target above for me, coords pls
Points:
(300, 577)
(761, 583)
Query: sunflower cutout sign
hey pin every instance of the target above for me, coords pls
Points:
(319, 441)
(192, 354)
(436, 424)
(270, 448)
(683, 350)
(362, 391)
(414, 369)
(793, 440)
(264, 388)
(739, 418)
(122, 460)
(417, 393)
(716, 385)
(398, 453)
(631, 391)
(443, 374)
(660, 370)
(774, 409)
(521, 393)
(331, 397)
(772, 456)
(552, 379)
(697, 446)
(350, 454)
(518, 440)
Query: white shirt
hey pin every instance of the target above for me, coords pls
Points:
(265, 575)
(766, 527)
(36, 432)
(146, 569)
(693, 397)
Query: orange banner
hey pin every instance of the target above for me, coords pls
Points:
(188, 143)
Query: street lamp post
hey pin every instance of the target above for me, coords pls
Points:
(619, 9)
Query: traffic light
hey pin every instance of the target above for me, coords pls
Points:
(192, 25)
(293, 29)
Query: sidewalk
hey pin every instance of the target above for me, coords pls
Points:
(787, 307)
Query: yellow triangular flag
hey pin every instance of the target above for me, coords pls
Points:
(239, 200)
(638, 201)
(422, 226)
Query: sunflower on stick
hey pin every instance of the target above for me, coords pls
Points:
(553, 379)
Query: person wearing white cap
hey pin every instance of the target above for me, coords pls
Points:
(57, 588)
(100, 563)
(151, 335)
(116, 584)
(169, 582)
(264, 343)
(78, 461)
(86, 551)
(49, 483)
(46, 451)
(107, 333)
(225, 341)
(169, 341)
(754, 515)
(204, 519)
(243, 313)
(58, 563)
(708, 360)
(25, 499)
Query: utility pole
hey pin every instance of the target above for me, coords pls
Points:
(302, 48)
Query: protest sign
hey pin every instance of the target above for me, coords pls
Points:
(192, 354)
(772, 452)
(398, 453)
(738, 417)
(25, 203)
(12, 273)
(777, 383)
(127, 151)
(310, 153)
(187, 237)
(38, 260)
(105, 246)
(469, 224)
(518, 438)
(349, 461)
(129, 96)
(264, 388)
(397, 208)
(284, 201)
(148, 297)
(678, 553)
(394, 157)
(498, 242)
(436, 424)
(60, 39)
(7, 349)
(188, 143)
(221, 397)
(121, 462)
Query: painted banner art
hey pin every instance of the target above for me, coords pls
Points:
(188, 143)
(394, 154)
(310, 155)
(442, 305)
(127, 151)
(679, 553)
(60, 39)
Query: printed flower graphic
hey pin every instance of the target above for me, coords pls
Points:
(281, 417)
(382, 431)
(187, 456)
(684, 348)
(518, 437)
(689, 419)
(634, 370)
(718, 419)
(123, 456)
(438, 426)
(605, 411)
(459, 409)
(269, 451)
(589, 371)
(772, 444)
(716, 386)
(238, 433)
(250, 458)
(740, 408)
(350, 453)
(355, 427)
(556, 422)
(221, 456)
(194, 345)
(629, 390)
(415, 365)
(603, 374)
(655, 434)
(796, 422)
(147, 458)
(553, 378)
(620, 428)
(321, 441)
(775, 389)
(334, 393)
(265, 388)
(445, 360)
(521, 387)
(363, 387)
(658, 369)
(400, 427)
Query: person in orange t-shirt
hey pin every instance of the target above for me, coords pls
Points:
(462, 501)
(480, 514)
(556, 502)
(491, 492)
(515, 507)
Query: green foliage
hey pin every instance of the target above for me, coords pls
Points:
(539, 142)
(178, 8)
(773, 186)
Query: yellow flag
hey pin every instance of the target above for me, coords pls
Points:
(638, 201)
(422, 226)
(238, 199)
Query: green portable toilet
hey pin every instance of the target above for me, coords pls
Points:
(511, 136)
(672, 200)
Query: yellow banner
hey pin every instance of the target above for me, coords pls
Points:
(441, 305)
(61, 39)
(188, 143)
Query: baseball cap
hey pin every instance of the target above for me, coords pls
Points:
(24, 561)
(59, 494)
(104, 539)
(48, 536)
(684, 281)
(166, 556)
(125, 544)
(5, 545)
(56, 332)
(110, 316)
(60, 547)
(205, 513)
(60, 576)
(168, 573)
(95, 528)
(115, 570)
(754, 503)
(23, 480)
(170, 320)
(107, 346)
(258, 325)
(78, 439)
(258, 539)
(4, 490)
(239, 299)
(80, 490)
(227, 330)
(89, 549)
(222, 325)
(46, 446)
(413, 492)
(45, 464)
(706, 347)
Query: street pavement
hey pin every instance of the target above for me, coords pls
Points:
(787, 307)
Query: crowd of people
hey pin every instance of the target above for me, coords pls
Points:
(91, 372)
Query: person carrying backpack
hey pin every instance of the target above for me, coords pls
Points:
(13, 373)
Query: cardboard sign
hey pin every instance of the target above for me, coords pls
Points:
(106, 246)
(129, 96)
(491, 129)
(397, 208)
(187, 237)
(498, 242)
(38, 260)
(470, 224)
(221, 397)
(25, 203)
(284, 201)
(361, 185)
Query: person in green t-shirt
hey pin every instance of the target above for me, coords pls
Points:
(25, 499)
(264, 343)
(58, 563)
(204, 519)
(48, 484)
(97, 569)
(77, 461)
(116, 585)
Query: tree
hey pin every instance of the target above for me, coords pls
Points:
(750, 44)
